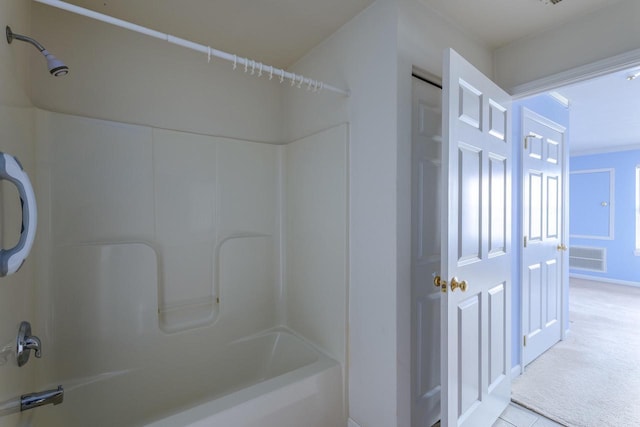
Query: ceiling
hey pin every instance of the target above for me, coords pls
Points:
(275, 32)
(605, 113)
(499, 22)
(279, 32)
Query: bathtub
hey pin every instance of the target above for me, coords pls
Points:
(271, 379)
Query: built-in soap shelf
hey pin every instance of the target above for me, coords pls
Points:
(231, 260)
(187, 314)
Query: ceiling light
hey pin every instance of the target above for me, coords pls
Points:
(633, 76)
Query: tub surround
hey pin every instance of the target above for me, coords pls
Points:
(181, 246)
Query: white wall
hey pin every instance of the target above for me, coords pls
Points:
(119, 75)
(610, 31)
(16, 138)
(14, 85)
(316, 238)
(362, 57)
(316, 218)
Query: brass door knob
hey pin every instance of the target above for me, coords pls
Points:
(458, 285)
(439, 283)
(562, 247)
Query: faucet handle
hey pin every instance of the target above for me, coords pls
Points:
(33, 343)
(27, 342)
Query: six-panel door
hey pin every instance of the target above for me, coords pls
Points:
(476, 247)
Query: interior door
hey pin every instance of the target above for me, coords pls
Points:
(476, 247)
(542, 166)
(426, 209)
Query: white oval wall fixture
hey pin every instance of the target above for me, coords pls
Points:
(633, 76)
(12, 259)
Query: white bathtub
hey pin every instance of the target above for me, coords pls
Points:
(271, 379)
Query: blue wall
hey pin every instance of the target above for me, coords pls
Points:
(591, 201)
(548, 107)
(589, 217)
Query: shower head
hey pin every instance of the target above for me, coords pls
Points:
(56, 67)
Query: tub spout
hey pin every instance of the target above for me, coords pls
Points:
(33, 400)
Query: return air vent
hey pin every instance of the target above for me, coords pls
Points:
(588, 258)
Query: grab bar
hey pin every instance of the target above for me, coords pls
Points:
(33, 400)
(12, 259)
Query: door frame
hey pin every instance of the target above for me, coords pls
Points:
(564, 222)
(577, 74)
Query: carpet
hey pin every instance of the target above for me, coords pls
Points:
(593, 377)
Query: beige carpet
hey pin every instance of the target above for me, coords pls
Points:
(593, 377)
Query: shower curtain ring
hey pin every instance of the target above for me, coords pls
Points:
(208, 54)
(300, 82)
(271, 73)
(253, 67)
(281, 76)
(259, 69)
(246, 64)
(293, 79)
(235, 61)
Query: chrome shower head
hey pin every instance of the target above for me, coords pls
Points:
(55, 66)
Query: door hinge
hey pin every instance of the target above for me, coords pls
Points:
(525, 340)
(525, 241)
(526, 140)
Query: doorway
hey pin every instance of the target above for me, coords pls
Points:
(426, 201)
(541, 125)
(601, 246)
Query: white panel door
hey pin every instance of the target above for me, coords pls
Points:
(542, 259)
(476, 247)
(427, 200)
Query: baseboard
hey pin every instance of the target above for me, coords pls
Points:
(516, 371)
(351, 423)
(605, 280)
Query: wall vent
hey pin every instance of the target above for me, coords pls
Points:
(551, 1)
(588, 258)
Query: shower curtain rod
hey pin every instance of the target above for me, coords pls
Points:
(248, 64)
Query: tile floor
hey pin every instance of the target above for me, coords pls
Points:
(518, 416)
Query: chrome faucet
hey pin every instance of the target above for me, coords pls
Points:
(27, 342)
(33, 400)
